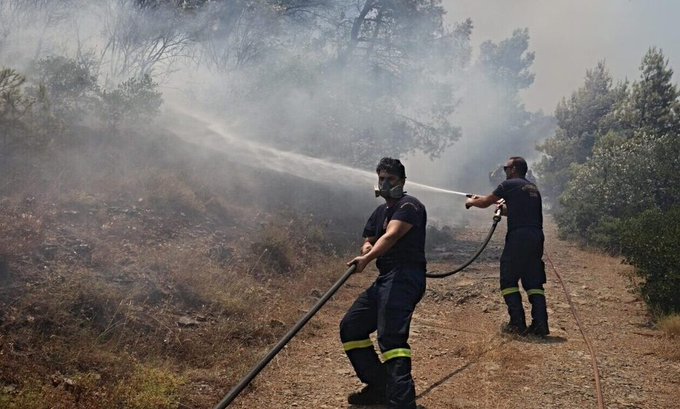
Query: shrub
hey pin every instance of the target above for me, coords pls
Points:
(173, 192)
(650, 243)
(135, 100)
(13, 102)
(275, 249)
(438, 238)
(67, 86)
(14, 106)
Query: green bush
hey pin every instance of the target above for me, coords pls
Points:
(72, 93)
(61, 93)
(135, 100)
(650, 243)
(70, 86)
(13, 102)
(14, 106)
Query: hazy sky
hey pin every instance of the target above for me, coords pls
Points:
(570, 36)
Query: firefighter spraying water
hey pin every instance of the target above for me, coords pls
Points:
(520, 200)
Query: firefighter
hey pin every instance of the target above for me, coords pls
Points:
(395, 237)
(522, 255)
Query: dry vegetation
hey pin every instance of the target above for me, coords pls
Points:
(143, 280)
(670, 325)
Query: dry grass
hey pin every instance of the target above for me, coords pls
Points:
(670, 346)
(670, 325)
(82, 318)
(170, 191)
(274, 250)
(150, 387)
(22, 231)
(102, 327)
(146, 387)
(670, 349)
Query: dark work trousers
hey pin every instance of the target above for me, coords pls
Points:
(522, 260)
(386, 306)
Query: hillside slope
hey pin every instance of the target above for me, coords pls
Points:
(132, 267)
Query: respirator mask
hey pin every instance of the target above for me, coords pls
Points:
(388, 191)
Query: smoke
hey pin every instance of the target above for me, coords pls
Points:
(280, 79)
(495, 123)
(572, 36)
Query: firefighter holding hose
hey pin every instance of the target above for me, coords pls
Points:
(394, 237)
(523, 252)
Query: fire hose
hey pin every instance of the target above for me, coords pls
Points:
(286, 338)
(236, 390)
(480, 249)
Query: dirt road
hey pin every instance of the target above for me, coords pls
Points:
(462, 361)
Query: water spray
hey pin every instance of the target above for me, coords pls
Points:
(437, 189)
(216, 135)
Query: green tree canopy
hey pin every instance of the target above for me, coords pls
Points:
(617, 152)
(653, 105)
(508, 63)
(581, 121)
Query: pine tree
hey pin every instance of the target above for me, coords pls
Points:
(581, 120)
(653, 106)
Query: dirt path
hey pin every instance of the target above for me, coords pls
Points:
(462, 361)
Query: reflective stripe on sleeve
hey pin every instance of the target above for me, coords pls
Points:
(364, 343)
(396, 353)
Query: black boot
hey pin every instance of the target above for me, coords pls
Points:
(517, 324)
(401, 390)
(513, 329)
(539, 329)
(370, 395)
(539, 315)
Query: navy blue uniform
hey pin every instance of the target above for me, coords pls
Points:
(523, 251)
(388, 304)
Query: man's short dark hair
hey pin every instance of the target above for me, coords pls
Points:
(520, 165)
(391, 166)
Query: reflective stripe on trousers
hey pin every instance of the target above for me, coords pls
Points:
(387, 306)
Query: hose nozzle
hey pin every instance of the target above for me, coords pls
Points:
(498, 213)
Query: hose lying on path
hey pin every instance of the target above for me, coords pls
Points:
(589, 344)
